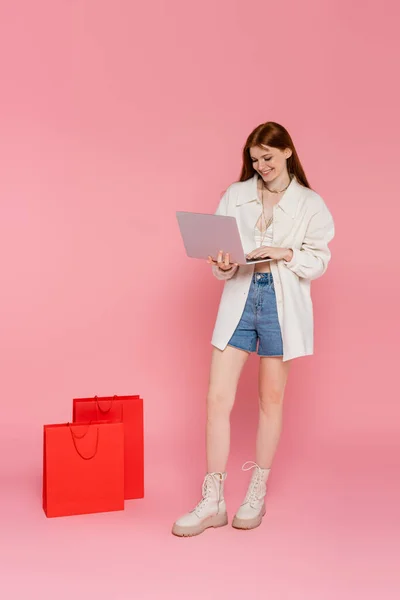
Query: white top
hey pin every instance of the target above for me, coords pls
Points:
(265, 238)
(303, 223)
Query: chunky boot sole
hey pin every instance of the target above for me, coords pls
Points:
(248, 523)
(215, 521)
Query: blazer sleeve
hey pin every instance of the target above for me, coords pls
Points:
(311, 260)
(223, 210)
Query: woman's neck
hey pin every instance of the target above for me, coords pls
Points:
(280, 183)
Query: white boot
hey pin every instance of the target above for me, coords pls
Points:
(252, 510)
(210, 511)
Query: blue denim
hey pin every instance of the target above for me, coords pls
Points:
(259, 321)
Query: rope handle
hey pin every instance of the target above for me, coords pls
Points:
(75, 437)
(107, 410)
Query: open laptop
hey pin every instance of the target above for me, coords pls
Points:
(205, 235)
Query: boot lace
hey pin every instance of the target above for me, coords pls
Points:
(255, 483)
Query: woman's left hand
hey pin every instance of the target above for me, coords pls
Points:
(270, 252)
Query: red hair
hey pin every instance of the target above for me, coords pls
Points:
(274, 135)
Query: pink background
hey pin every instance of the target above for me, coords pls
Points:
(113, 116)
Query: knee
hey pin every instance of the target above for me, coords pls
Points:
(218, 403)
(271, 400)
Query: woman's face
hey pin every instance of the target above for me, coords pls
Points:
(269, 162)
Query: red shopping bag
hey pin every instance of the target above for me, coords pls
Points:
(129, 410)
(83, 468)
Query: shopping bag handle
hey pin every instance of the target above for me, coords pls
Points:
(80, 437)
(107, 410)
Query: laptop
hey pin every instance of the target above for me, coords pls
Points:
(205, 235)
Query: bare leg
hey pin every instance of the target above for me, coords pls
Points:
(226, 367)
(273, 376)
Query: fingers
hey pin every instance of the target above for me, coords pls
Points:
(220, 258)
(259, 253)
(225, 266)
(223, 261)
(211, 261)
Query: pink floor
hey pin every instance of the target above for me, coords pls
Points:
(329, 532)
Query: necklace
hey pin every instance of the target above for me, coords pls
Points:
(275, 191)
(267, 223)
(270, 220)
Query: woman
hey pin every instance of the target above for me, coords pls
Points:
(265, 307)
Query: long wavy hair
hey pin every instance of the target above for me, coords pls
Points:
(275, 135)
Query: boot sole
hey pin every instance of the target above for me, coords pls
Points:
(215, 521)
(248, 523)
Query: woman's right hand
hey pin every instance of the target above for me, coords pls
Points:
(222, 262)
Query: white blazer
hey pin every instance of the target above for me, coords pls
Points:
(301, 222)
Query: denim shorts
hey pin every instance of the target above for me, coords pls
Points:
(259, 321)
